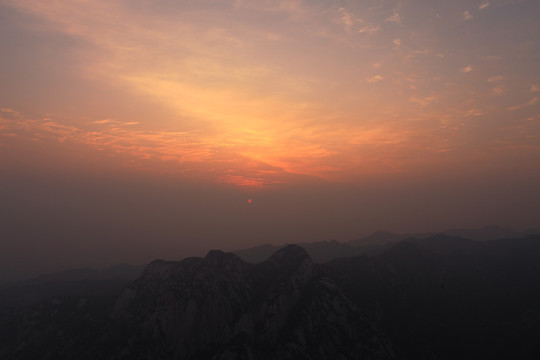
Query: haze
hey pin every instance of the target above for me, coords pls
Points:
(134, 130)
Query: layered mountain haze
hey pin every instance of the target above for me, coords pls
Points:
(132, 129)
(222, 308)
(321, 251)
(292, 162)
(379, 241)
(437, 297)
(451, 298)
(217, 307)
(86, 281)
(485, 233)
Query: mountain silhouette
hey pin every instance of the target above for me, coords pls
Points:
(440, 297)
(216, 307)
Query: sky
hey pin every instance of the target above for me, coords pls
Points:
(143, 129)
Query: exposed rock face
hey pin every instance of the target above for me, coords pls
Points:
(450, 298)
(438, 298)
(220, 307)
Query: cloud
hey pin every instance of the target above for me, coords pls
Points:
(533, 118)
(374, 79)
(189, 154)
(394, 18)
(483, 5)
(474, 112)
(246, 160)
(423, 52)
(293, 8)
(349, 20)
(533, 101)
(369, 29)
(467, 16)
(535, 88)
(422, 101)
(495, 79)
(225, 79)
(498, 90)
(9, 112)
(346, 18)
(104, 121)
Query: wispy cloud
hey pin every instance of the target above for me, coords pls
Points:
(474, 113)
(369, 29)
(295, 87)
(293, 8)
(498, 90)
(533, 101)
(374, 79)
(394, 18)
(422, 100)
(467, 16)
(346, 18)
(483, 5)
(351, 22)
(240, 157)
(103, 121)
(180, 153)
(495, 79)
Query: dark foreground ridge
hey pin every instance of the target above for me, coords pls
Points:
(441, 297)
(217, 307)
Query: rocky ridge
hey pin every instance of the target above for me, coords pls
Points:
(220, 307)
(216, 307)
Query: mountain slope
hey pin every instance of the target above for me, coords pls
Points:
(450, 298)
(217, 307)
(220, 307)
(442, 297)
(320, 252)
(486, 233)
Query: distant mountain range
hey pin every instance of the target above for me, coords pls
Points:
(378, 242)
(320, 252)
(92, 281)
(85, 281)
(437, 297)
(217, 307)
(446, 297)
(486, 233)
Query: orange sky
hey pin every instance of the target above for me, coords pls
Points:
(259, 96)
(256, 92)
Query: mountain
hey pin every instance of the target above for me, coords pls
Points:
(70, 282)
(378, 238)
(217, 307)
(259, 253)
(532, 231)
(446, 297)
(376, 243)
(440, 297)
(320, 252)
(486, 233)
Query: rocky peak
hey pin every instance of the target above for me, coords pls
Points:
(224, 261)
(290, 253)
(291, 263)
(219, 307)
